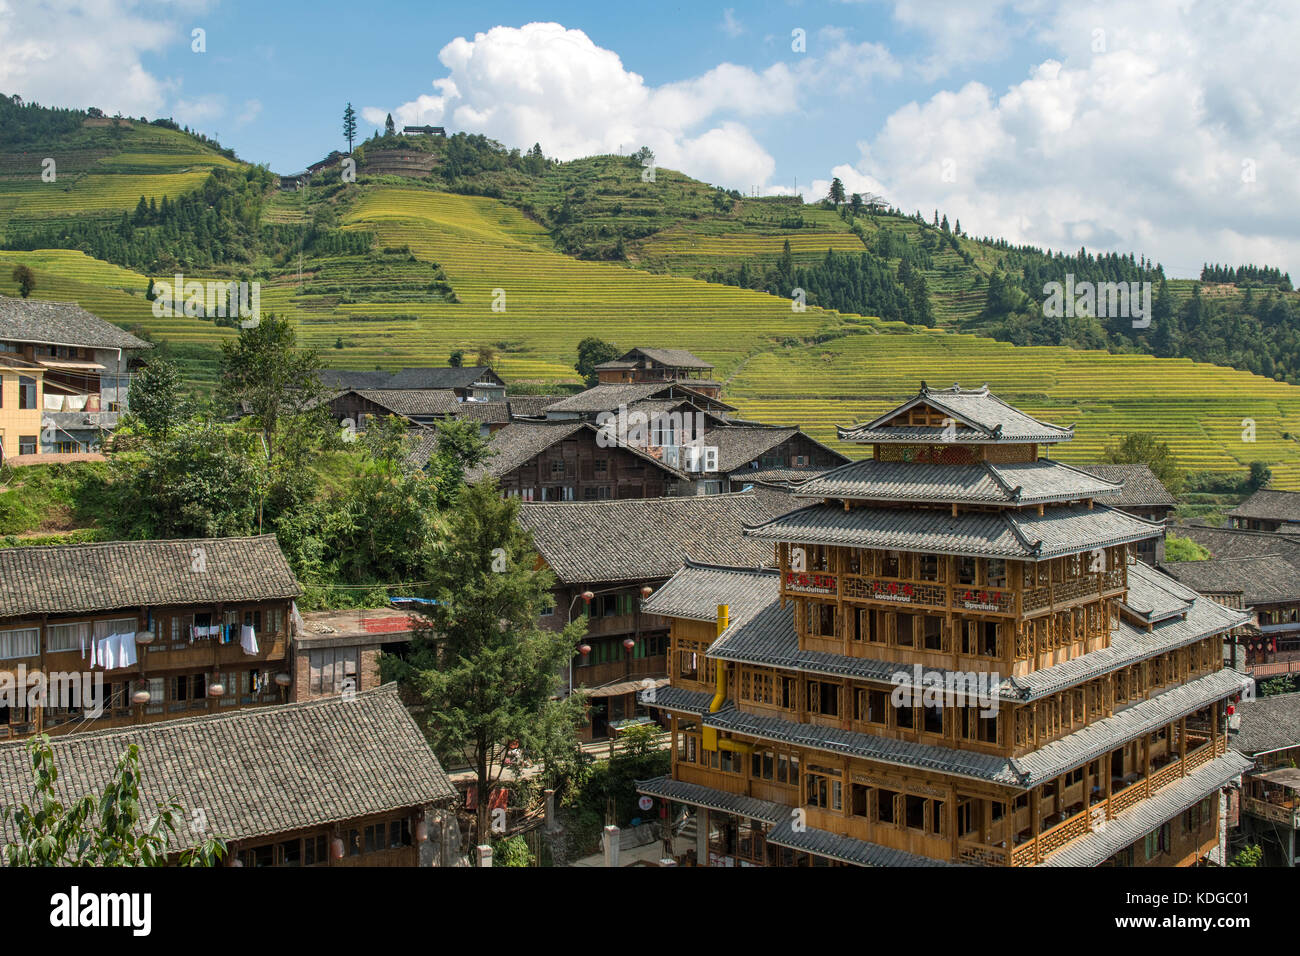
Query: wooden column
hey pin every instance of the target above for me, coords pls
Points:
(1035, 819)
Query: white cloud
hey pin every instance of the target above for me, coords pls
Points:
(544, 83)
(89, 52)
(250, 111)
(730, 25)
(1139, 147)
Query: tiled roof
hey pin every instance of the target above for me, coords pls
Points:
(1270, 505)
(673, 358)
(697, 589)
(1023, 483)
(776, 476)
(1060, 530)
(530, 406)
(738, 445)
(696, 795)
(1232, 543)
(1025, 771)
(490, 413)
(1153, 596)
(419, 378)
(1267, 724)
(608, 398)
(846, 849)
(1140, 485)
(61, 323)
(980, 417)
(1261, 579)
(258, 771)
(413, 401)
(78, 578)
(677, 699)
(644, 538)
(1134, 823)
(520, 442)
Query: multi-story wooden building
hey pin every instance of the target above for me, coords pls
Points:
(1267, 510)
(280, 785)
(64, 375)
(956, 662)
(165, 628)
(1267, 730)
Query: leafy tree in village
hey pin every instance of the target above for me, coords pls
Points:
(154, 397)
(485, 671)
(266, 375)
(591, 352)
(1138, 447)
(456, 359)
(349, 125)
(26, 280)
(486, 355)
(390, 128)
(107, 830)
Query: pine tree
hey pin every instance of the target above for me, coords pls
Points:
(349, 125)
(390, 128)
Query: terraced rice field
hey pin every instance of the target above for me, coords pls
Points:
(491, 254)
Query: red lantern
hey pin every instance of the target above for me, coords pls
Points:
(629, 643)
(336, 848)
(647, 591)
(587, 596)
(1231, 710)
(584, 649)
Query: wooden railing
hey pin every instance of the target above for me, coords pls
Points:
(1082, 823)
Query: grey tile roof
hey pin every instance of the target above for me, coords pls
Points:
(673, 358)
(695, 795)
(413, 401)
(1136, 822)
(1267, 724)
(644, 538)
(490, 413)
(1231, 543)
(608, 398)
(520, 442)
(75, 578)
(980, 417)
(61, 323)
(677, 699)
(781, 476)
(738, 445)
(258, 771)
(1061, 530)
(1140, 485)
(1153, 596)
(697, 589)
(1261, 579)
(846, 849)
(421, 378)
(1025, 771)
(1270, 505)
(530, 406)
(1023, 483)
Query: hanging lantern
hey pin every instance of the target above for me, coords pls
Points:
(421, 831)
(584, 649)
(283, 679)
(217, 690)
(144, 637)
(140, 697)
(336, 848)
(647, 591)
(1231, 710)
(587, 596)
(628, 643)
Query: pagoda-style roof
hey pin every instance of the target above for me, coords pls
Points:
(980, 418)
(1023, 535)
(1021, 483)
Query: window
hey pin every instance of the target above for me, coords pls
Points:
(889, 564)
(601, 466)
(67, 637)
(27, 392)
(997, 573)
(824, 698)
(315, 850)
(932, 632)
(927, 568)
(288, 853)
(26, 444)
(824, 787)
(965, 570)
(557, 468)
(905, 630)
(399, 834)
(869, 706)
(252, 619)
(22, 642)
(932, 718)
(821, 619)
(885, 806)
(330, 668)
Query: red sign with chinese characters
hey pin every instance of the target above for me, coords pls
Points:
(810, 582)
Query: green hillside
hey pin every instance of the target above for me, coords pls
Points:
(428, 270)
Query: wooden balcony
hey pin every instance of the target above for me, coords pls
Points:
(1285, 814)
(1055, 837)
(594, 675)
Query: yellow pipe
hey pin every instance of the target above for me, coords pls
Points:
(710, 740)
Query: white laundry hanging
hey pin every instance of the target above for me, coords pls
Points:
(248, 639)
(126, 650)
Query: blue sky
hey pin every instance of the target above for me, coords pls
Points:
(1167, 127)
